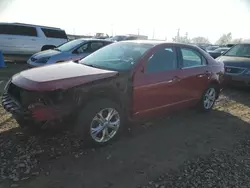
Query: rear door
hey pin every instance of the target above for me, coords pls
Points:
(156, 89)
(195, 73)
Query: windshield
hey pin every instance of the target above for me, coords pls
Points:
(120, 56)
(240, 50)
(69, 45)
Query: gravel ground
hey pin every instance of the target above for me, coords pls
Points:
(219, 169)
(186, 150)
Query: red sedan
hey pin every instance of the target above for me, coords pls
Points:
(129, 80)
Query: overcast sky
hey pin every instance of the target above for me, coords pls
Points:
(208, 18)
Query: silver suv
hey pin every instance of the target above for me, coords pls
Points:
(17, 39)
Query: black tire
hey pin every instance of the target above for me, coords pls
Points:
(47, 47)
(22, 122)
(203, 98)
(83, 123)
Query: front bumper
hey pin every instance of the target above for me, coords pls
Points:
(38, 112)
(237, 80)
(14, 107)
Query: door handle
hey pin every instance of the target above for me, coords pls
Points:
(175, 79)
(207, 73)
(33, 39)
(10, 38)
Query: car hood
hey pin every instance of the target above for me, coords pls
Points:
(45, 54)
(243, 62)
(59, 76)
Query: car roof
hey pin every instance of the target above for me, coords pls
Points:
(247, 43)
(157, 42)
(93, 39)
(32, 25)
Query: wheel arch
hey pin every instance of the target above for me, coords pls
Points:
(107, 93)
(216, 83)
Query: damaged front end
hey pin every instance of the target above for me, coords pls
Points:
(41, 108)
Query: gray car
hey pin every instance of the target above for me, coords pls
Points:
(70, 51)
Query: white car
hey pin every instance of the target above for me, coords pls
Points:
(17, 39)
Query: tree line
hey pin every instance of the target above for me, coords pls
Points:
(223, 40)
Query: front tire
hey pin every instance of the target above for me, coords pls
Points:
(100, 122)
(208, 98)
(27, 126)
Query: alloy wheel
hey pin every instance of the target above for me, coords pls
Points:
(209, 98)
(105, 125)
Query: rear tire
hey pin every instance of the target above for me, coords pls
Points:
(100, 123)
(208, 98)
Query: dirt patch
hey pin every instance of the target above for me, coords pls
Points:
(161, 149)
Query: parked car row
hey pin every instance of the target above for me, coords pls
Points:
(112, 86)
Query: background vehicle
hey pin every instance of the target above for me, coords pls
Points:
(217, 52)
(17, 39)
(128, 37)
(237, 65)
(72, 50)
(211, 48)
(114, 84)
(202, 46)
(101, 36)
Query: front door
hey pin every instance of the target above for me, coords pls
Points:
(156, 88)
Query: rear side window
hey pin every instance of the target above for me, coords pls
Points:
(18, 30)
(52, 33)
(191, 58)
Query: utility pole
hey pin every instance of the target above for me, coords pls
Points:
(138, 31)
(153, 34)
(112, 30)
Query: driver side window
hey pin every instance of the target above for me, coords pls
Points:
(82, 49)
(164, 59)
